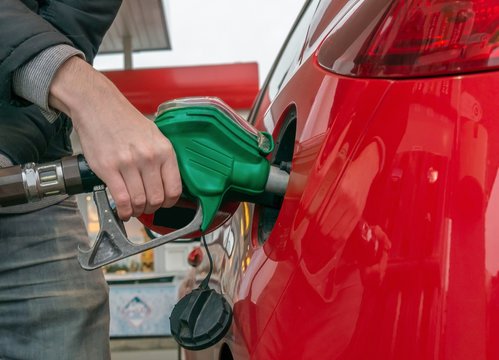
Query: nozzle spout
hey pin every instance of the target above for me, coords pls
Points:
(277, 181)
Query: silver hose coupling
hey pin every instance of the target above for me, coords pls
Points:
(43, 180)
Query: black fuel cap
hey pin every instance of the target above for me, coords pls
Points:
(200, 319)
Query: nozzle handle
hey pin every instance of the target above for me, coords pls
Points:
(86, 176)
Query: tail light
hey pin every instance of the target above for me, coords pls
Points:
(414, 38)
(195, 257)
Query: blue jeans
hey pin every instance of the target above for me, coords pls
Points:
(50, 308)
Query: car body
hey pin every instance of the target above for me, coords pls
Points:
(387, 242)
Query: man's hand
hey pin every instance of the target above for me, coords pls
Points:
(122, 147)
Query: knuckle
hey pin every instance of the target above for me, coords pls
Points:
(104, 164)
(125, 159)
(173, 190)
(171, 196)
(166, 148)
(139, 200)
(156, 200)
(122, 200)
(148, 156)
(123, 206)
(176, 191)
(169, 151)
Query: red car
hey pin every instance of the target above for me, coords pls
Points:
(387, 242)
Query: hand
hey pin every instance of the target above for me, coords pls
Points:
(124, 149)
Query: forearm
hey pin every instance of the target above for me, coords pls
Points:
(78, 90)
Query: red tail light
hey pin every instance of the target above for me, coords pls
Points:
(414, 38)
(195, 257)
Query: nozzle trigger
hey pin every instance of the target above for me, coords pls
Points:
(112, 243)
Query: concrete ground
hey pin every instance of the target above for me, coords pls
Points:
(144, 349)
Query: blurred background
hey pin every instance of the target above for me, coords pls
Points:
(200, 32)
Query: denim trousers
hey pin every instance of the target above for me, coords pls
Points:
(50, 308)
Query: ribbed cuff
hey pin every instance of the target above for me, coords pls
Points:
(5, 161)
(32, 80)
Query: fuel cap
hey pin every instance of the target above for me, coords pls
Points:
(200, 319)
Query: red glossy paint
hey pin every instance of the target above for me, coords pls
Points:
(392, 245)
(387, 242)
(236, 84)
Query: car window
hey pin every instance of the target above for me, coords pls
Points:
(290, 55)
(310, 25)
(327, 15)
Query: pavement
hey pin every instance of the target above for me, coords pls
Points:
(145, 355)
(144, 349)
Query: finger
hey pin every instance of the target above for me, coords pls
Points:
(135, 187)
(153, 185)
(120, 195)
(172, 183)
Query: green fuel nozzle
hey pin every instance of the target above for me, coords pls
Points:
(218, 152)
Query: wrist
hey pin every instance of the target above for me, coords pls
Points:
(78, 88)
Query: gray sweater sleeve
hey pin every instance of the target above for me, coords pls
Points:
(32, 80)
(4, 161)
